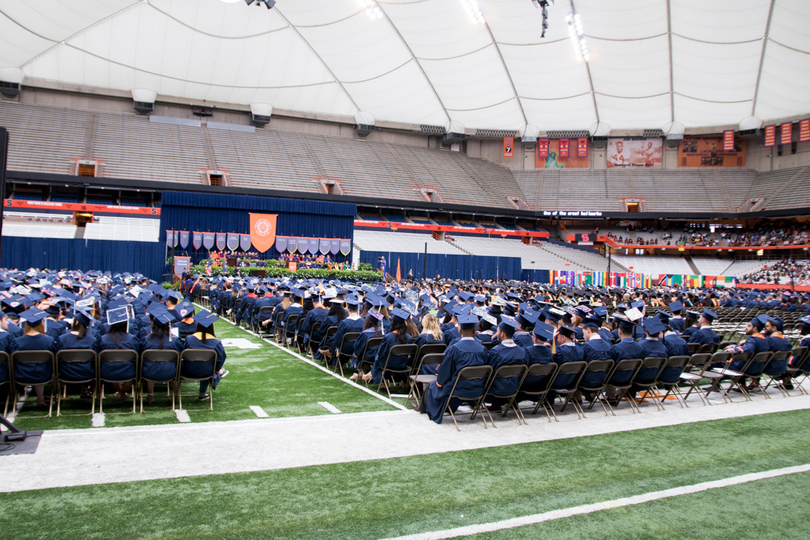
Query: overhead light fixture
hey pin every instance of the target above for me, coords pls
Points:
(472, 9)
(577, 36)
(543, 4)
(372, 9)
(268, 3)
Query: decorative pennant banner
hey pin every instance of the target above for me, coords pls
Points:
(183, 239)
(221, 241)
(263, 231)
(313, 245)
(170, 238)
(244, 242)
(325, 246)
(804, 130)
(582, 147)
(334, 247)
(770, 136)
(728, 140)
(345, 246)
(281, 244)
(508, 146)
(181, 264)
(542, 148)
(233, 241)
(292, 245)
(787, 133)
(564, 144)
(196, 240)
(208, 240)
(175, 238)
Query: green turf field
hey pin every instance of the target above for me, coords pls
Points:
(391, 497)
(270, 378)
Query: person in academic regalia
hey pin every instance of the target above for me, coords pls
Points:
(372, 328)
(676, 322)
(33, 339)
(538, 353)
(352, 323)
(159, 338)
(186, 325)
(205, 338)
(118, 338)
(705, 335)
(399, 335)
(505, 353)
(466, 352)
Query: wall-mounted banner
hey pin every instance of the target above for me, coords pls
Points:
(334, 247)
(582, 147)
(181, 264)
(244, 242)
(728, 140)
(263, 231)
(345, 246)
(325, 244)
(508, 146)
(542, 148)
(281, 244)
(222, 241)
(208, 240)
(292, 245)
(564, 146)
(586, 238)
(196, 240)
(770, 136)
(313, 246)
(787, 133)
(233, 241)
(170, 238)
(183, 239)
(708, 152)
(804, 130)
(636, 152)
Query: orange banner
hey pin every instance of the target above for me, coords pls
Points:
(508, 146)
(553, 160)
(708, 152)
(263, 231)
(80, 207)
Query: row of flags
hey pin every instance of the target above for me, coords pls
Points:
(636, 280)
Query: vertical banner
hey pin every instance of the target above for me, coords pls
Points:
(345, 246)
(787, 133)
(170, 238)
(582, 147)
(221, 241)
(281, 244)
(334, 247)
(313, 246)
(324, 246)
(244, 242)
(233, 241)
(183, 239)
(292, 245)
(181, 264)
(564, 144)
(196, 239)
(804, 130)
(728, 140)
(508, 146)
(542, 148)
(263, 231)
(208, 240)
(770, 136)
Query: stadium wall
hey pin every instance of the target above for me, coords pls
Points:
(446, 266)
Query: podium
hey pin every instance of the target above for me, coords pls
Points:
(292, 266)
(231, 261)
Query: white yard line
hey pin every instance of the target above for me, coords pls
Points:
(182, 415)
(606, 505)
(261, 413)
(329, 407)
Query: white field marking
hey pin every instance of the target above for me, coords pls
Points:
(261, 413)
(182, 416)
(590, 508)
(240, 343)
(98, 419)
(329, 407)
(317, 365)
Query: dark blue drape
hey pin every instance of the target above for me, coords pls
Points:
(535, 276)
(447, 266)
(181, 211)
(148, 258)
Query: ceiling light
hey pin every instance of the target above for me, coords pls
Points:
(268, 3)
(577, 36)
(372, 9)
(543, 4)
(472, 9)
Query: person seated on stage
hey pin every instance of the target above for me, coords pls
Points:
(399, 335)
(505, 353)
(118, 338)
(352, 323)
(159, 337)
(33, 338)
(186, 325)
(466, 352)
(372, 328)
(205, 338)
(705, 335)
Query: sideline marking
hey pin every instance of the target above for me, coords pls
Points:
(261, 413)
(317, 365)
(99, 419)
(182, 416)
(606, 505)
(329, 407)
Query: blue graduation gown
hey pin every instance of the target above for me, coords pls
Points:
(676, 345)
(754, 344)
(395, 362)
(76, 371)
(595, 349)
(427, 339)
(523, 339)
(505, 354)
(371, 352)
(464, 353)
(32, 373)
(118, 370)
(160, 371)
(570, 352)
(315, 315)
(484, 338)
(198, 369)
(653, 348)
(451, 335)
(677, 324)
(536, 354)
(776, 343)
(705, 336)
(346, 326)
(626, 348)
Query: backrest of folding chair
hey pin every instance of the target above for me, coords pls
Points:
(721, 357)
(370, 344)
(572, 368)
(432, 359)
(700, 361)
(672, 369)
(331, 331)
(266, 309)
(693, 347)
(707, 348)
(118, 355)
(800, 357)
(509, 372)
(277, 318)
(630, 365)
(473, 373)
(599, 366)
(292, 319)
(315, 327)
(430, 348)
(541, 370)
(348, 337)
(761, 361)
(4, 367)
(159, 355)
(200, 355)
(75, 355)
(488, 345)
(32, 357)
(780, 355)
(405, 349)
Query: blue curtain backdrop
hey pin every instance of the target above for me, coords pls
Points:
(536, 276)
(148, 258)
(206, 212)
(447, 266)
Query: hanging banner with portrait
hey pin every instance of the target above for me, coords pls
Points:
(708, 152)
(635, 152)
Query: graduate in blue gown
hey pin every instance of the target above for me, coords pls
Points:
(400, 334)
(372, 328)
(431, 334)
(466, 352)
(80, 336)
(594, 348)
(159, 337)
(205, 338)
(538, 353)
(118, 338)
(505, 353)
(352, 323)
(705, 335)
(33, 339)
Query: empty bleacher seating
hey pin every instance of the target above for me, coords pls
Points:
(402, 242)
(125, 229)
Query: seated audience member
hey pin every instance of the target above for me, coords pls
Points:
(205, 338)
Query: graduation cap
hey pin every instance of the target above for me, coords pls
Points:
(161, 314)
(33, 316)
(480, 298)
(567, 331)
(83, 317)
(624, 323)
(528, 317)
(353, 302)
(400, 313)
(376, 314)
(709, 315)
(633, 314)
(117, 315)
(663, 316)
(693, 314)
(805, 319)
(468, 321)
(676, 307)
(205, 318)
(593, 322)
(601, 311)
(543, 331)
(508, 325)
(184, 309)
(653, 325)
(554, 314)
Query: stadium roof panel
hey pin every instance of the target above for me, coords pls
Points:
(652, 62)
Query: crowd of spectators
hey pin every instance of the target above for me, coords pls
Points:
(787, 272)
(767, 236)
(772, 235)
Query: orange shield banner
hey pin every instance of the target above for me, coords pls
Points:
(263, 231)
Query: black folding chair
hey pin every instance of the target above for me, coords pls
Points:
(602, 369)
(645, 383)
(75, 367)
(331, 331)
(778, 356)
(698, 368)
(709, 348)
(577, 369)
(197, 360)
(417, 378)
(517, 371)
(736, 377)
(799, 367)
(264, 329)
(405, 349)
(292, 321)
(693, 348)
(480, 374)
(299, 340)
(670, 378)
(19, 378)
(109, 363)
(278, 328)
(5, 378)
(160, 356)
(538, 389)
(621, 379)
(340, 356)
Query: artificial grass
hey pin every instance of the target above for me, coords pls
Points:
(391, 497)
(270, 378)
